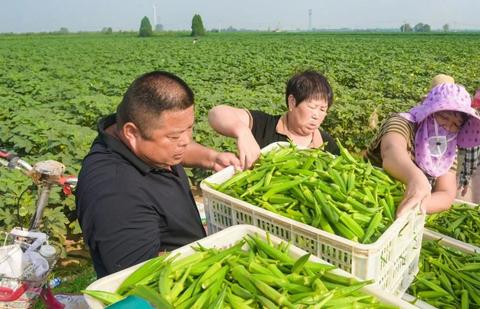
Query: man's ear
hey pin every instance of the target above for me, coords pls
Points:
(131, 133)
(292, 102)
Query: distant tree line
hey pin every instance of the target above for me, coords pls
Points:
(421, 27)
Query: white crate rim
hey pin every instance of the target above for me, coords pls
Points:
(110, 283)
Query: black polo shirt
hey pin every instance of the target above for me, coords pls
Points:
(264, 130)
(130, 211)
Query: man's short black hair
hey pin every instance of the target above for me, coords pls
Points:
(151, 94)
(308, 85)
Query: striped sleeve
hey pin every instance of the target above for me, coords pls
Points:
(393, 124)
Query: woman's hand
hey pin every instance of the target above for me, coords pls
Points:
(418, 192)
(398, 163)
(235, 122)
(248, 149)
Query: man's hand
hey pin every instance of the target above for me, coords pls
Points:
(248, 150)
(418, 191)
(224, 159)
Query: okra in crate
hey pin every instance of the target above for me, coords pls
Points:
(449, 275)
(340, 209)
(240, 267)
(460, 224)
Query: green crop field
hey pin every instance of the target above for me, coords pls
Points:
(54, 88)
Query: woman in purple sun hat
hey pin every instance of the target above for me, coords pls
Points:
(419, 147)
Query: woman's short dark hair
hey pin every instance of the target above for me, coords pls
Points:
(151, 94)
(309, 85)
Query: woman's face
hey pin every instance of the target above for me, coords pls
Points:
(450, 121)
(307, 116)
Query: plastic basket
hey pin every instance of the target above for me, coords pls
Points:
(448, 242)
(392, 261)
(22, 292)
(28, 296)
(27, 291)
(227, 238)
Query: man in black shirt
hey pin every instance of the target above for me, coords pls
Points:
(133, 197)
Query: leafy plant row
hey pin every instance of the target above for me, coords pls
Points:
(53, 89)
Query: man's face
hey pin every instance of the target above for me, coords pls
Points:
(167, 139)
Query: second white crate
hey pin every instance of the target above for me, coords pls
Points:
(227, 238)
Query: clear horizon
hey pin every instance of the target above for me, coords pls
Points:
(50, 15)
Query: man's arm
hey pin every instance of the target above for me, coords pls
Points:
(198, 155)
(125, 233)
(398, 163)
(235, 122)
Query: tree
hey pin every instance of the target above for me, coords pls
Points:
(406, 28)
(421, 27)
(158, 28)
(145, 28)
(446, 28)
(197, 26)
(418, 27)
(63, 30)
(107, 30)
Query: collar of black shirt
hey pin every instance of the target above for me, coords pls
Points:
(116, 145)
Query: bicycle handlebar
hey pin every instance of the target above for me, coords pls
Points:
(44, 174)
(14, 161)
(47, 172)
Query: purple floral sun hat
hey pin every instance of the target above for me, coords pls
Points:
(443, 97)
(450, 97)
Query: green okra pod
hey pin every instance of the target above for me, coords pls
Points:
(107, 298)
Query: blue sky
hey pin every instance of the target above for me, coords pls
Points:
(93, 15)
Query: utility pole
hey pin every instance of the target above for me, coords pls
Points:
(309, 19)
(154, 16)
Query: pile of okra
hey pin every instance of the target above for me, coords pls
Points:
(262, 276)
(461, 222)
(341, 195)
(447, 278)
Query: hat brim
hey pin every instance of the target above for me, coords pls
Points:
(469, 135)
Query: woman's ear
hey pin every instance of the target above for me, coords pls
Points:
(292, 103)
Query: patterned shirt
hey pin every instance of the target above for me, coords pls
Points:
(470, 158)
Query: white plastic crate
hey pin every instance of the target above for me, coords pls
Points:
(447, 242)
(450, 241)
(392, 261)
(227, 238)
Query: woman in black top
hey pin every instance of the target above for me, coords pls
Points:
(308, 97)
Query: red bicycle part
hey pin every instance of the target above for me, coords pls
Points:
(66, 187)
(49, 300)
(3, 154)
(8, 294)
